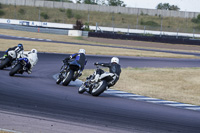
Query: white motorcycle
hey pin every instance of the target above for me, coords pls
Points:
(8, 60)
(96, 88)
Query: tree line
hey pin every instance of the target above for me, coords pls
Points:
(161, 6)
(96, 2)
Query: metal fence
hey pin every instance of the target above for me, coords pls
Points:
(99, 8)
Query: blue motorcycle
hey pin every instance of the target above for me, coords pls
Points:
(69, 71)
(20, 66)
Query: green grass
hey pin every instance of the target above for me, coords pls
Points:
(104, 19)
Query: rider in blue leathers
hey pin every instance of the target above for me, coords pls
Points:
(80, 58)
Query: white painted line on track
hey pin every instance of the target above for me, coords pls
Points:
(180, 104)
(193, 108)
(143, 98)
(123, 95)
(162, 102)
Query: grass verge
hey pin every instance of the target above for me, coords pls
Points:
(174, 84)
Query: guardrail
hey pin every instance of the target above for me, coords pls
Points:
(154, 38)
(94, 28)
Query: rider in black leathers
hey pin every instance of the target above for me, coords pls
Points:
(114, 68)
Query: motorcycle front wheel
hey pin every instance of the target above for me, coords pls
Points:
(81, 89)
(58, 80)
(15, 69)
(68, 78)
(99, 88)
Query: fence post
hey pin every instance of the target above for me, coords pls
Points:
(96, 26)
(128, 29)
(39, 14)
(88, 16)
(161, 26)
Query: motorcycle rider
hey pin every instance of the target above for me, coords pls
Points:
(32, 59)
(114, 68)
(80, 58)
(19, 49)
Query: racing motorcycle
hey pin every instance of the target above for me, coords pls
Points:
(69, 71)
(20, 66)
(7, 61)
(96, 88)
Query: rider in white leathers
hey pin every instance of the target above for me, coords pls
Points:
(32, 57)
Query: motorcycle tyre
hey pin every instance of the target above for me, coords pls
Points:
(15, 69)
(58, 81)
(100, 89)
(81, 89)
(69, 77)
(4, 63)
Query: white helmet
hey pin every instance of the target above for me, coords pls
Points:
(34, 51)
(115, 59)
(82, 51)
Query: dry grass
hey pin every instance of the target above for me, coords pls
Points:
(68, 48)
(91, 50)
(4, 132)
(103, 18)
(174, 84)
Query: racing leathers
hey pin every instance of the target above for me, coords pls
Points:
(81, 60)
(32, 60)
(18, 51)
(113, 68)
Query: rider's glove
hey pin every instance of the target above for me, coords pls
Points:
(64, 61)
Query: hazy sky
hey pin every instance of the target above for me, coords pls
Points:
(184, 5)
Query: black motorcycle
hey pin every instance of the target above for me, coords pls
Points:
(21, 65)
(68, 72)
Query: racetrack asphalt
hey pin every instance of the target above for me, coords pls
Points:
(35, 103)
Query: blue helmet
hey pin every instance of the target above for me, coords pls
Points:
(20, 46)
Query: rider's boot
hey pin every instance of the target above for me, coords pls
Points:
(3, 57)
(29, 71)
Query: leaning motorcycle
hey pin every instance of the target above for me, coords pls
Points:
(96, 88)
(7, 61)
(68, 72)
(20, 66)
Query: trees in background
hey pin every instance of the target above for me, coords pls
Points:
(103, 2)
(167, 6)
(69, 1)
(96, 2)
